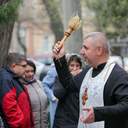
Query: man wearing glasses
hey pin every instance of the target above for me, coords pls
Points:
(15, 105)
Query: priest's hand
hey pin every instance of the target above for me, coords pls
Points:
(90, 118)
(58, 50)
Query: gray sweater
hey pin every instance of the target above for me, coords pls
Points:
(39, 103)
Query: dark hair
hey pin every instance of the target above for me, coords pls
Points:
(32, 64)
(75, 58)
(14, 58)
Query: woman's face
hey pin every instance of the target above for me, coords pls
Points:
(29, 72)
(74, 66)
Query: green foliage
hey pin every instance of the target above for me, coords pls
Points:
(112, 15)
(8, 11)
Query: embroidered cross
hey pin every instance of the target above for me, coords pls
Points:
(85, 96)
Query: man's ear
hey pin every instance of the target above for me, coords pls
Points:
(99, 51)
(13, 65)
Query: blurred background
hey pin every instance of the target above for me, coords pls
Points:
(32, 27)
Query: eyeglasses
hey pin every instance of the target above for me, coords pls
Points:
(22, 65)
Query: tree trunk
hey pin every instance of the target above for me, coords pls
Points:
(6, 27)
(20, 41)
(5, 40)
(55, 19)
(70, 9)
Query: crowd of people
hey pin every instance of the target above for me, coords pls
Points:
(25, 99)
(70, 95)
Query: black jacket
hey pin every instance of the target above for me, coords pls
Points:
(115, 109)
(67, 112)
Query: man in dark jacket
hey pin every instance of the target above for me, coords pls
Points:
(104, 89)
(15, 107)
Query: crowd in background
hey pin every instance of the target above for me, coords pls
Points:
(22, 92)
(70, 95)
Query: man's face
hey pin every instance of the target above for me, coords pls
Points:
(19, 68)
(88, 51)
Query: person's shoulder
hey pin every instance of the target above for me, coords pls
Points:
(4, 74)
(2, 70)
(119, 70)
(5, 78)
(119, 74)
(86, 68)
(39, 82)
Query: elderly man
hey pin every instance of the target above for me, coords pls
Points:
(15, 107)
(104, 87)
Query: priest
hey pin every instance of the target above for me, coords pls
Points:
(103, 93)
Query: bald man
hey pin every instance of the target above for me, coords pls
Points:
(103, 87)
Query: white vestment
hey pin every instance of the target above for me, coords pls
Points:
(95, 87)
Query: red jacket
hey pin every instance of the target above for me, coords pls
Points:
(15, 105)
